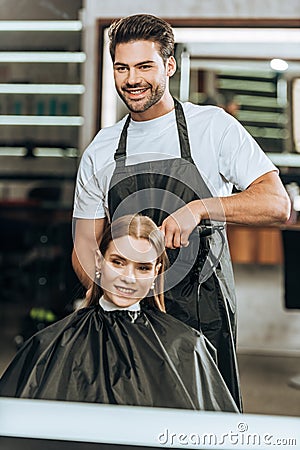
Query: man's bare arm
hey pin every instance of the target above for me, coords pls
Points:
(264, 202)
(87, 236)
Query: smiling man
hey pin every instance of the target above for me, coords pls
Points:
(178, 164)
(140, 79)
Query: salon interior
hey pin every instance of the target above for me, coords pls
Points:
(56, 92)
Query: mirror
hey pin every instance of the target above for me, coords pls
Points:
(232, 65)
(249, 72)
(201, 67)
(219, 57)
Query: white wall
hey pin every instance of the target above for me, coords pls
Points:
(263, 324)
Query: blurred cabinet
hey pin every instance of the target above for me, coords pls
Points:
(255, 245)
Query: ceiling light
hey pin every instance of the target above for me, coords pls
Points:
(279, 65)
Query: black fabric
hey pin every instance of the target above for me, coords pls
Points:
(291, 248)
(156, 189)
(146, 358)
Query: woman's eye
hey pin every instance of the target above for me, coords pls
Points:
(117, 262)
(144, 268)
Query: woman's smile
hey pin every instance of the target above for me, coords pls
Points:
(125, 291)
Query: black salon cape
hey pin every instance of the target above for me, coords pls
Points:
(145, 358)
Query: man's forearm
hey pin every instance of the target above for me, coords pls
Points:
(263, 203)
(82, 274)
(88, 234)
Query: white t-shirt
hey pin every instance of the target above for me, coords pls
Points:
(224, 152)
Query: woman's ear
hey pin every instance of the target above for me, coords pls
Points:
(98, 259)
(98, 262)
(157, 269)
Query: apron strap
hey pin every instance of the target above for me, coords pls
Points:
(121, 150)
(183, 135)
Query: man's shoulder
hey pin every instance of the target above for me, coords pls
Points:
(192, 110)
(203, 116)
(106, 136)
(114, 130)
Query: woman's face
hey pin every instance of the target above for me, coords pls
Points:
(128, 270)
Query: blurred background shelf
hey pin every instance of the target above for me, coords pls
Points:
(40, 80)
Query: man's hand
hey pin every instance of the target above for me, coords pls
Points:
(178, 226)
(264, 202)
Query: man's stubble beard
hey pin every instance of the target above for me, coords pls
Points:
(155, 96)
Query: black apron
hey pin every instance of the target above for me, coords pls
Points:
(199, 287)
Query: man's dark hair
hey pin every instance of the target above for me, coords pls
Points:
(142, 27)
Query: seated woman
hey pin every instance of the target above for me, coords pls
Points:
(121, 347)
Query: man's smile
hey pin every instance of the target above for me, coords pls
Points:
(134, 92)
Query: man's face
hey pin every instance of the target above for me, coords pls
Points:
(141, 77)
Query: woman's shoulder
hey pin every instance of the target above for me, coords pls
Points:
(71, 321)
(170, 322)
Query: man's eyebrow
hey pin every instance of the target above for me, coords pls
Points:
(149, 61)
(142, 63)
(120, 64)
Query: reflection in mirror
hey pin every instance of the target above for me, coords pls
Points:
(236, 69)
(231, 67)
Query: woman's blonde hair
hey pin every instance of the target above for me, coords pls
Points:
(138, 227)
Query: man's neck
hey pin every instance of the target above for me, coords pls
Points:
(162, 107)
